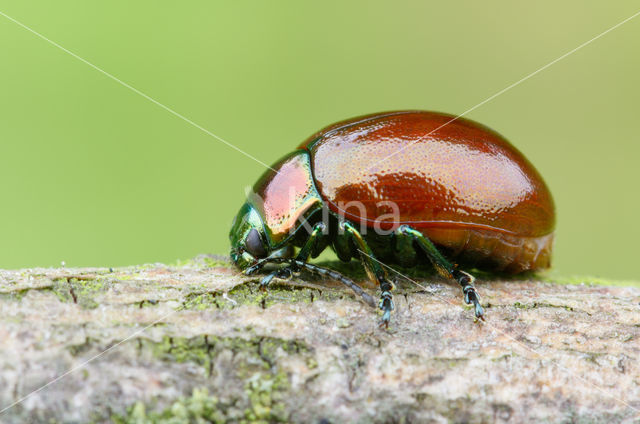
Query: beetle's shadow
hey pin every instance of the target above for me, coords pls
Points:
(422, 274)
(421, 278)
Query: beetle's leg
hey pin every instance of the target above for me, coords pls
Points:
(339, 277)
(374, 270)
(281, 273)
(314, 244)
(325, 272)
(312, 247)
(445, 268)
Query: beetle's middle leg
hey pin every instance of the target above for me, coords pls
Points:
(375, 271)
(444, 267)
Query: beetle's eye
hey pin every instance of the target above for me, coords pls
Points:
(254, 244)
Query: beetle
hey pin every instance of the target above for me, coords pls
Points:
(399, 187)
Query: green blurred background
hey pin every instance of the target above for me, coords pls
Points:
(94, 174)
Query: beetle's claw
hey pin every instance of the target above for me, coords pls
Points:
(384, 322)
(478, 310)
(471, 296)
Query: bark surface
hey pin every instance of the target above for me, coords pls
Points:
(196, 340)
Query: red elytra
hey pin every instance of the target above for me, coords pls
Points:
(459, 183)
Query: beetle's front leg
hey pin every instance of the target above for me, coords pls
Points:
(375, 271)
(282, 273)
(312, 247)
(445, 268)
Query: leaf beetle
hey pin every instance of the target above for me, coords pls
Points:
(399, 188)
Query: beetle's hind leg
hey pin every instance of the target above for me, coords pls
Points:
(444, 267)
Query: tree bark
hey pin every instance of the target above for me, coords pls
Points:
(197, 340)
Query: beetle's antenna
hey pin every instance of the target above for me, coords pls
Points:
(321, 271)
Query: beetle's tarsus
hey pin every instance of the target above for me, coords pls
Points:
(444, 267)
(386, 315)
(282, 273)
(471, 296)
(386, 305)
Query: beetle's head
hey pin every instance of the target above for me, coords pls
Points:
(249, 240)
(275, 208)
(247, 237)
